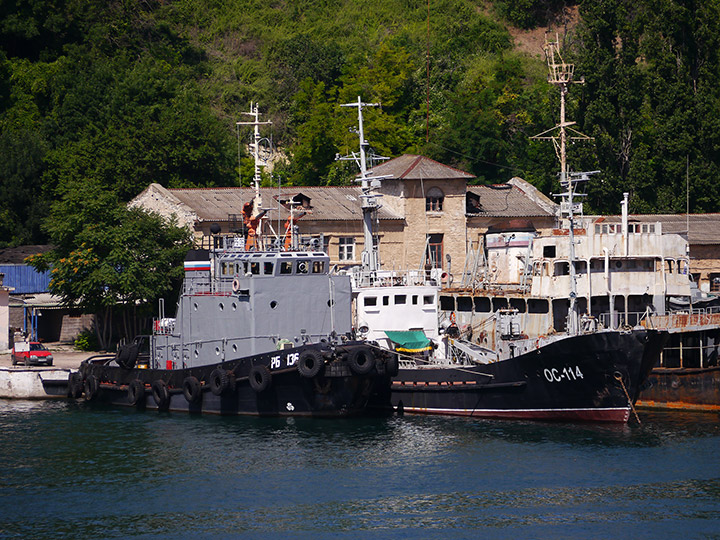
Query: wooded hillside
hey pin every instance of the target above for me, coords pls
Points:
(100, 98)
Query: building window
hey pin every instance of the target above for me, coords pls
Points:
(346, 248)
(714, 283)
(434, 200)
(434, 253)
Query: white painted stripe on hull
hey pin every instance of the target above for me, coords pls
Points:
(622, 413)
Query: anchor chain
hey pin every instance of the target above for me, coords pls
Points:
(618, 377)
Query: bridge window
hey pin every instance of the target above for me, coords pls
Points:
(464, 303)
(303, 267)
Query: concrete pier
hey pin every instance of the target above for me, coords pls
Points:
(28, 382)
(33, 383)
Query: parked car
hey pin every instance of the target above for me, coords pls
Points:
(31, 353)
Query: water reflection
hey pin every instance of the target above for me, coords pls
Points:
(121, 473)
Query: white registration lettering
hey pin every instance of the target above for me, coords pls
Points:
(292, 359)
(275, 362)
(568, 373)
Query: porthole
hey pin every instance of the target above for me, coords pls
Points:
(234, 348)
(221, 306)
(217, 351)
(234, 306)
(197, 353)
(273, 304)
(331, 303)
(195, 306)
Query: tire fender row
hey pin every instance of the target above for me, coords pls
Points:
(311, 364)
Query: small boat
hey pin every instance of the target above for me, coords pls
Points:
(256, 332)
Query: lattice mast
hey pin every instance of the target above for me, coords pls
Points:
(561, 74)
(368, 185)
(257, 210)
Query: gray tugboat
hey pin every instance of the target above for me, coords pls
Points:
(256, 332)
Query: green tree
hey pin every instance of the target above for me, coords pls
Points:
(110, 260)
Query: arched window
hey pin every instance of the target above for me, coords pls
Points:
(434, 200)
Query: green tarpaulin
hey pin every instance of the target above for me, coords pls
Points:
(409, 340)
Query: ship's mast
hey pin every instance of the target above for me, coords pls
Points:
(257, 212)
(368, 185)
(561, 75)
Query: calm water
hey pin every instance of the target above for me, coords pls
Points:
(72, 471)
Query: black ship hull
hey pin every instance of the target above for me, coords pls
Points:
(593, 377)
(312, 380)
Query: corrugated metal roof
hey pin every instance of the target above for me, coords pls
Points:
(704, 228)
(505, 200)
(328, 203)
(412, 167)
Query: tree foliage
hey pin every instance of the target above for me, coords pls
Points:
(116, 95)
(108, 258)
(651, 102)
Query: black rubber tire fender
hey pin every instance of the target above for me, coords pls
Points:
(192, 390)
(75, 385)
(136, 392)
(127, 356)
(259, 378)
(392, 365)
(219, 381)
(91, 385)
(160, 394)
(310, 364)
(361, 360)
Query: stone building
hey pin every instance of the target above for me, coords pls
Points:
(429, 211)
(428, 216)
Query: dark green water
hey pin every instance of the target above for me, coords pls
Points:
(68, 470)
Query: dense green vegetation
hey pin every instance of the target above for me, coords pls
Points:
(100, 98)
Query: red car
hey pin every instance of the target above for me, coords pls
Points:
(31, 354)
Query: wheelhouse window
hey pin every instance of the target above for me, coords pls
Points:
(286, 267)
(434, 200)
(303, 266)
(346, 248)
(434, 253)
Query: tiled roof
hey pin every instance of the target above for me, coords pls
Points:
(704, 228)
(411, 167)
(506, 200)
(18, 254)
(330, 203)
